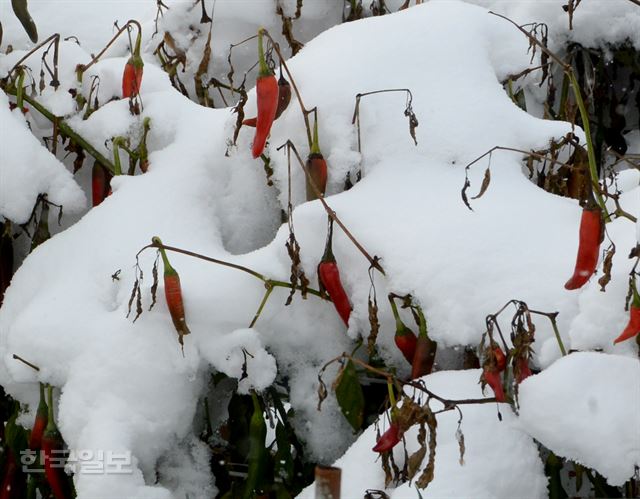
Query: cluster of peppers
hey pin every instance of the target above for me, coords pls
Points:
(419, 351)
(46, 441)
(272, 98)
(494, 365)
(131, 83)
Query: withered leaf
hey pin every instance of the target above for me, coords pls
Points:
(607, 266)
(154, 285)
(467, 184)
(485, 183)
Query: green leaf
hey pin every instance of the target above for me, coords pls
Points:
(350, 396)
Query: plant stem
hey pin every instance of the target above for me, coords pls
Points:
(64, 128)
(262, 304)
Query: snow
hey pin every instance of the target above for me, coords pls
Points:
(128, 386)
(29, 169)
(592, 416)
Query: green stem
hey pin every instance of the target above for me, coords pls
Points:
(394, 308)
(593, 169)
(116, 156)
(422, 324)
(264, 69)
(51, 424)
(315, 145)
(262, 304)
(157, 243)
(558, 338)
(65, 129)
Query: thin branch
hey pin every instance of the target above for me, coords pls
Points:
(373, 261)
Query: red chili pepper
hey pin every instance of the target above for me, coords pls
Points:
(132, 76)
(317, 167)
(100, 183)
(173, 294)
(267, 101)
(389, 439)
(522, 370)
(591, 228)
(284, 97)
(404, 338)
(329, 279)
(40, 423)
(633, 326)
(500, 358)
(52, 447)
(426, 348)
(493, 379)
(250, 122)
(11, 476)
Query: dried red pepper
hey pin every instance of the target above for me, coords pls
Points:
(426, 348)
(591, 235)
(100, 183)
(493, 379)
(173, 294)
(404, 338)
(266, 99)
(494, 363)
(389, 439)
(284, 97)
(522, 370)
(329, 279)
(633, 326)
(317, 167)
(40, 423)
(133, 69)
(52, 447)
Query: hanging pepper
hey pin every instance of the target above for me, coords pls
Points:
(494, 363)
(40, 423)
(522, 370)
(389, 439)
(317, 167)
(500, 358)
(425, 350)
(267, 101)
(257, 450)
(329, 279)
(53, 445)
(404, 338)
(100, 183)
(493, 379)
(132, 76)
(173, 293)
(591, 234)
(633, 326)
(284, 97)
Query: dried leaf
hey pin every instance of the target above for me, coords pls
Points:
(413, 122)
(461, 446)
(485, 183)
(136, 284)
(415, 460)
(427, 475)
(374, 323)
(607, 266)
(322, 391)
(154, 285)
(467, 184)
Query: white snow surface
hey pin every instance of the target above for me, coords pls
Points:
(587, 417)
(27, 169)
(128, 386)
